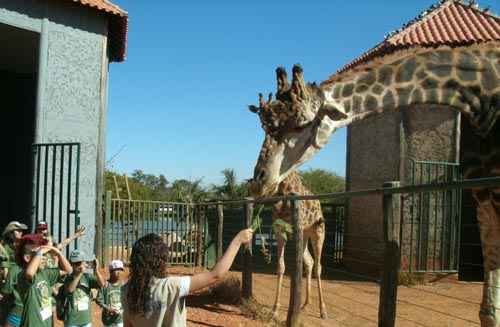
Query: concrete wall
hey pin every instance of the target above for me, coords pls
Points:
(72, 88)
(373, 152)
(378, 151)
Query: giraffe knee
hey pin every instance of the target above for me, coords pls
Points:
(317, 271)
(281, 267)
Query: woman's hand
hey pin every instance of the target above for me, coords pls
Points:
(245, 236)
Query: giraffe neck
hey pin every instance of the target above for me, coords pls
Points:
(292, 184)
(465, 79)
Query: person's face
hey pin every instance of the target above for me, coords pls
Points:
(116, 274)
(79, 266)
(18, 233)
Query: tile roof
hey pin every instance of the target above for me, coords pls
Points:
(117, 28)
(450, 22)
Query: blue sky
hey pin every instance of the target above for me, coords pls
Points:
(178, 104)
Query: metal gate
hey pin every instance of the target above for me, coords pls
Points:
(181, 225)
(431, 230)
(56, 181)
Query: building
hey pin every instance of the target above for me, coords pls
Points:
(413, 146)
(54, 75)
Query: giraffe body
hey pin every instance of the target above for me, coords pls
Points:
(313, 226)
(300, 121)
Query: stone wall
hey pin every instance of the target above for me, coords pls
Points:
(378, 151)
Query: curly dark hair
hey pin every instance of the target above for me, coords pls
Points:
(149, 259)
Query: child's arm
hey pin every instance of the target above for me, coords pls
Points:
(72, 285)
(64, 264)
(202, 280)
(79, 232)
(101, 281)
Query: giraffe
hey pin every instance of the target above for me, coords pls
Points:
(313, 226)
(299, 122)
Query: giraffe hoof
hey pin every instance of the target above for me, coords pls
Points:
(324, 315)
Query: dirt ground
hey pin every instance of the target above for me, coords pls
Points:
(349, 302)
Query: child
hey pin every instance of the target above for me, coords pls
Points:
(109, 297)
(77, 287)
(34, 282)
(151, 298)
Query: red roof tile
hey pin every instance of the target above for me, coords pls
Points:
(117, 28)
(450, 23)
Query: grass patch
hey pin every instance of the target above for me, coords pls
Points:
(254, 310)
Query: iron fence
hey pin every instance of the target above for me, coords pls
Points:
(56, 188)
(181, 226)
(431, 220)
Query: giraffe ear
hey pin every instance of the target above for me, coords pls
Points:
(253, 109)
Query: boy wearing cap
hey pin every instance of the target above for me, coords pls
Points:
(33, 283)
(109, 297)
(77, 287)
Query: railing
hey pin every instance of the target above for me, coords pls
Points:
(391, 197)
(181, 225)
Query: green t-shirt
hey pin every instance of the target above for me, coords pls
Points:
(11, 251)
(110, 296)
(79, 309)
(37, 309)
(11, 291)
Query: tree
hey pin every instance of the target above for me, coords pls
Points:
(322, 181)
(230, 189)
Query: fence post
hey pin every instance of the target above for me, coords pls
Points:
(246, 288)
(220, 229)
(293, 316)
(199, 258)
(392, 258)
(107, 223)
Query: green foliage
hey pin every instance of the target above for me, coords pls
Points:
(322, 181)
(281, 227)
(230, 188)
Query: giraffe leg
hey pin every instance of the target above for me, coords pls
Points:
(317, 241)
(308, 264)
(489, 224)
(280, 249)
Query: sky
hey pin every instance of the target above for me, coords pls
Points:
(178, 104)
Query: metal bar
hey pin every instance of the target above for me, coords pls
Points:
(220, 229)
(246, 288)
(107, 224)
(293, 316)
(45, 181)
(61, 192)
(68, 193)
(412, 216)
(464, 184)
(37, 187)
(420, 216)
(435, 198)
(389, 282)
(77, 192)
(53, 193)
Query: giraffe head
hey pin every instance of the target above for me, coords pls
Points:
(296, 124)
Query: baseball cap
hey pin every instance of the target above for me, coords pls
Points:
(42, 225)
(115, 265)
(76, 256)
(12, 226)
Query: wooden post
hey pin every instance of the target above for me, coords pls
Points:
(107, 226)
(220, 229)
(246, 287)
(116, 187)
(392, 258)
(293, 316)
